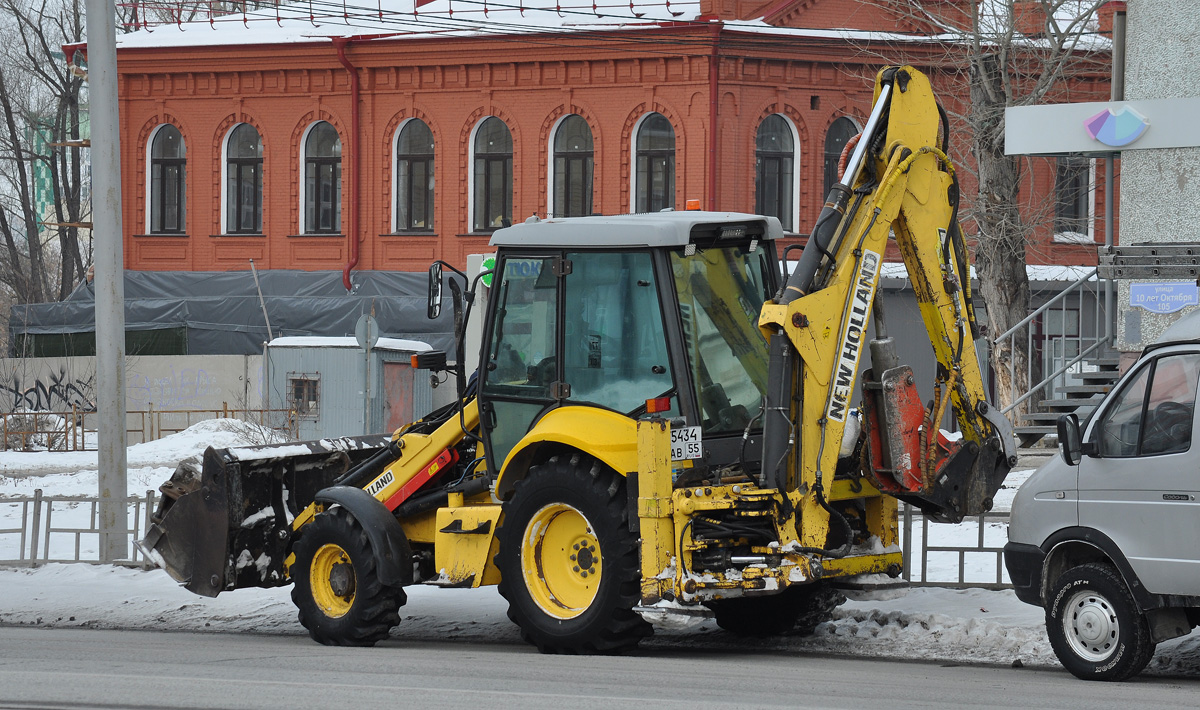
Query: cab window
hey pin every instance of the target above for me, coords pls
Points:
(521, 353)
(1152, 415)
(721, 291)
(614, 348)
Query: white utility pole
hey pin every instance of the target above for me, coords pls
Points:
(110, 277)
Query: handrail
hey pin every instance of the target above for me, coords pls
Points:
(1045, 306)
(1101, 335)
(1034, 388)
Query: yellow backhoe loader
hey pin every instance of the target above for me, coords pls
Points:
(662, 418)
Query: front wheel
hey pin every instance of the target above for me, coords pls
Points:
(336, 586)
(568, 562)
(1095, 626)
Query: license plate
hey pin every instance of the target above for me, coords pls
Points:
(686, 443)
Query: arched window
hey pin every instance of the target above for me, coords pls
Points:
(243, 181)
(654, 188)
(775, 173)
(573, 167)
(168, 181)
(493, 164)
(322, 180)
(839, 133)
(414, 177)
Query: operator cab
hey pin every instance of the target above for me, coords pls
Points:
(613, 311)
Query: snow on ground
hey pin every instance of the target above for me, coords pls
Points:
(931, 623)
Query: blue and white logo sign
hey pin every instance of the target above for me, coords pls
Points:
(1117, 127)
(1164, 297)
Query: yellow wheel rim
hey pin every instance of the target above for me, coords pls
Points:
(560, 560)
(331, 578)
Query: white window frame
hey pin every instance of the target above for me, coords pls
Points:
(633, 136)
(149, 195)
(550, 162)
(471, 169)
(471, 172)
(795, 165)
(302, 227)
(225, 178)
(1078, 237)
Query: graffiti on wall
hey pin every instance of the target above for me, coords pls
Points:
(161, 383)
(185, 388)
(50, 392)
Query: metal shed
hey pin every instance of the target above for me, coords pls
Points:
(336, 388)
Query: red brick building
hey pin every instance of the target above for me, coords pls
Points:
(383, 138)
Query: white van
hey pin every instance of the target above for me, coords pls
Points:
(1106, 538)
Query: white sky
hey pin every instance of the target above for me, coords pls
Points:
(968, 626)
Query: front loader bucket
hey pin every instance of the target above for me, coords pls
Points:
(225, 523)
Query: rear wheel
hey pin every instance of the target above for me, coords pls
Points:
(1095, 626)
(336, 588)
(568, 562)
(797, 608)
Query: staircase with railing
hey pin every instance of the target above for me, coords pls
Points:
(1065, 372)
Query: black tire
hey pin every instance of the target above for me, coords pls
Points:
(1095, 626)
(336, 589)
(566, 523)
(817, 607)
(796, 609)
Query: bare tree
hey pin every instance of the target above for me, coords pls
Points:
(42, 159)
(990, 55)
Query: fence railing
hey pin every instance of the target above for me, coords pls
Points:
(1086, 291)
(970, 553)
(75, 430)
(66, 529)
(38, 539)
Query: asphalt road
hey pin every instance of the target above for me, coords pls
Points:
(80, 668)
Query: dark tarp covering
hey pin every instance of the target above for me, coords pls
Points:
(220, 312)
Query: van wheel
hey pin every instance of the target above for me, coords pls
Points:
(568, 563)
(1095, 626)
(336, 585)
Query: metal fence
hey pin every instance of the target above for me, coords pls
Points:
(39, 539)
(984, 551)
(67, 529)
(75, 430)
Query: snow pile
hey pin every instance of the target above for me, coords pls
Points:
(74, 473)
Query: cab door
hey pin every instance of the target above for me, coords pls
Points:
(576, 328)
(519, 376)
(1140, 486)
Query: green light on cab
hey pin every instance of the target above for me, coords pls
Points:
(488, 264)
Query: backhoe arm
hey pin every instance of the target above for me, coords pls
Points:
(898, 182)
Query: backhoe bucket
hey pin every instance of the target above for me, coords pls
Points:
(225, 523)
(948, 479)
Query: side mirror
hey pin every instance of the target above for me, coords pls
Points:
(1069, 439)
(434, 307)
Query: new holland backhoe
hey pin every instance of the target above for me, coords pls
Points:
(663, 418)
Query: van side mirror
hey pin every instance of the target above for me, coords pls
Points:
(434, 307)
(1069, 439)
